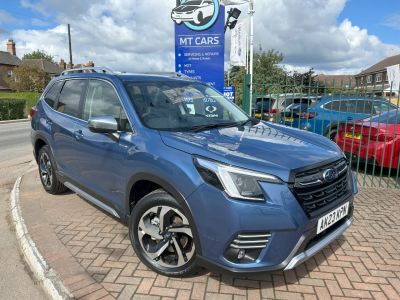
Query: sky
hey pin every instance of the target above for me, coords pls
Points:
(331, 36)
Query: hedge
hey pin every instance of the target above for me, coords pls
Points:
(12, 109)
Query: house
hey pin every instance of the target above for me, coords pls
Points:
(8, 61)
(337, 81)
(50, 68)
(376, 76)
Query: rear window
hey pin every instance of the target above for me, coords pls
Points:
(52, 95)
(390, 117)
(70, 97)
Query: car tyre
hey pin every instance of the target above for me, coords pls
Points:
(332, 134)
(162, 236)
(47, 172)
(199, 18)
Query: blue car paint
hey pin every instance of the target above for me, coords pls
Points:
(107, 169)
(324, 118)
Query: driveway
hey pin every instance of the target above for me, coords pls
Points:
(92, 253)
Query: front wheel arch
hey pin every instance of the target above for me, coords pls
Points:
(166, 186)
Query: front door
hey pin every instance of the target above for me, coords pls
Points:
(102, 156)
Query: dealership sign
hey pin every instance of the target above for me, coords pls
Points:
(199, 40)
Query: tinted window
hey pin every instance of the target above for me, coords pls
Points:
(363, 107)
(70, 96)
(334, 105)
(52, 94)
(102, 100)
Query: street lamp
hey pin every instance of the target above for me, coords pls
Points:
(232, 13)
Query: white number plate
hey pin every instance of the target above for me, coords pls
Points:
(329, 219)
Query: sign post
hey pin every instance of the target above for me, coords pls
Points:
(199, 40)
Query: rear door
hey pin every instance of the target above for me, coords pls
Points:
(67, 115)
(101, 157)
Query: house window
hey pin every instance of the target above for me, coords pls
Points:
(386, 77)
(369, 79)
(10, 73)
(362, 80)
(378, 77)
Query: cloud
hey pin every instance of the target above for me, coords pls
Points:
(393, 21)
(133, 35)
(39, 23)
(5, 18)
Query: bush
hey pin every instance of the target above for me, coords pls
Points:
(27, 79)
(12, 109)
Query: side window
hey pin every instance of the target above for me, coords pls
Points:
(102, 100)
(52, 94)
(70, 97)
(364, 107)
(335, 105)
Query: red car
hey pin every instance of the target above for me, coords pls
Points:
(382, 132)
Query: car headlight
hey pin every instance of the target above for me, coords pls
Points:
(236, 182)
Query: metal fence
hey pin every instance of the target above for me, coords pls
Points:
(364, 122)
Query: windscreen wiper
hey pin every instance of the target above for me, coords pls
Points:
(211, 126)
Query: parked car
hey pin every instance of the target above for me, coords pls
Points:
(274, 104)
(193, 11)
(217, 189)
(373, 140)
(325, 116)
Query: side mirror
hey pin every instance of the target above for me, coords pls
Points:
(103, 124)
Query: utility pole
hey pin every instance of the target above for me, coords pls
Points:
(70, 47)
(251, 42)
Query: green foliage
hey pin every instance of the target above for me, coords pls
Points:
(28, 79)
(39, 54)
(30, 98)
(12, 109)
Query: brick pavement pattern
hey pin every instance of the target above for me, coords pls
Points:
(92, 253)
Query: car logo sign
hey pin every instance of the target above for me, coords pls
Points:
(329, 175)
(196, 16)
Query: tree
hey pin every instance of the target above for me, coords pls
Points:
(39, 54)
(27, 79)
(269, 75)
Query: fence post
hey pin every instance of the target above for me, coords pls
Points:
(246, 94)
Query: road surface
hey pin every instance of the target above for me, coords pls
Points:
(16, 282)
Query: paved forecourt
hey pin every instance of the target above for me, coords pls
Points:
(92, 254)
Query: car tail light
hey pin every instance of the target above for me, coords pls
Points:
(32, 112)
(273, 111)
(307, 115)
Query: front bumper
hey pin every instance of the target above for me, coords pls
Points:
(220, 219)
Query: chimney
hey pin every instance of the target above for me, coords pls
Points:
(62, 64)
(11, 47)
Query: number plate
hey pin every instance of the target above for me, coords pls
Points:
(290, 120)
(331, 218)
(356, 136)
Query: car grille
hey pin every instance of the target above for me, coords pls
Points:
(315, 194)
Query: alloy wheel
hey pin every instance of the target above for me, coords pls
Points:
(46, 171)
(165, 236)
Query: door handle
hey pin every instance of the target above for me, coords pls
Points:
(78, 134)
(49, 122)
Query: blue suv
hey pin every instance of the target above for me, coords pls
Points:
(197, 181)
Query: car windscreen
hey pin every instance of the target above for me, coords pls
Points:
(390, 117)
(178, 105)
(264, 104)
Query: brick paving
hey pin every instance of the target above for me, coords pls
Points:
(92, 253)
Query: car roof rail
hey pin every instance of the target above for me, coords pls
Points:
(170, 74)
(103, 70)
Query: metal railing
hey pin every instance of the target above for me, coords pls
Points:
(364, 122)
